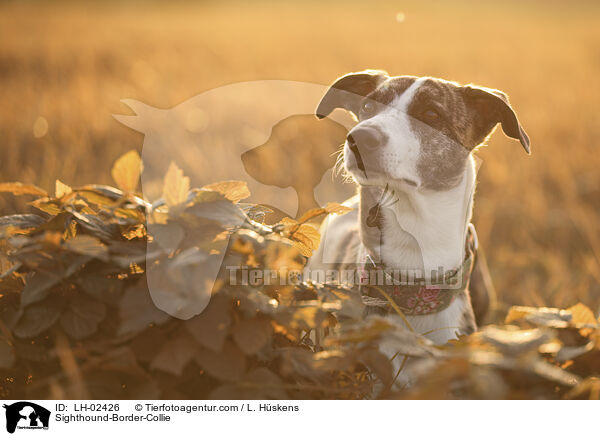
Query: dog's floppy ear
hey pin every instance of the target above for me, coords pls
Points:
(492, 107)
(347, 91)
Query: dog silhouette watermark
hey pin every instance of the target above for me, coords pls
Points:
(26, 415)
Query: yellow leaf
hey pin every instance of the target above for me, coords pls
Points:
(307, 317)
(126, 171)
(138, 231)
(287, 226)
(311, 235)
(61, 189)
(233, 190)
(176, 187)
(51, 207)
(18, 188)
(515, 313)
(335, 208)
(96, 197)
(338, 209)
(288, 221)
(306, 238)
(583, 315)
(312, 213)
(303, 249)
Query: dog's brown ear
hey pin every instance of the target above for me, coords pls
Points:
(347, 91)
(492, 107)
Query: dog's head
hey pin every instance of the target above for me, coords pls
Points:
(416, 133)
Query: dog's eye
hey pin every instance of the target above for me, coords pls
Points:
(430, 115)
(368, 107)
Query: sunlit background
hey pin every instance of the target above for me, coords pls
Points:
(65, 66)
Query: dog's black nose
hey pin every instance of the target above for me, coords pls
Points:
(369, 138)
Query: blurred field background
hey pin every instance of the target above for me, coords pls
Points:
(64, 67)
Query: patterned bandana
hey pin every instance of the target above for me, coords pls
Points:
(419, 296)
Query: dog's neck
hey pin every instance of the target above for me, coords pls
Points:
(422, 230)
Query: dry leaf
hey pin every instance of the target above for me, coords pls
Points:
(18, 188)
(174, 355)
(336, 208)
(541, 316)
(62, 189)
(126, 171)
(233, 190)
(176, 187)
(229, 364)
(306, 239)
(583, 315)
(252, 334)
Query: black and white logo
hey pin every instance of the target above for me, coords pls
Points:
(26, 415)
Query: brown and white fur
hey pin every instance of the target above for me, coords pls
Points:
(415, 136)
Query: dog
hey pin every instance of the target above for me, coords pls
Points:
(411, 157)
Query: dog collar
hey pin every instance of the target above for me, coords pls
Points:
(420, 297)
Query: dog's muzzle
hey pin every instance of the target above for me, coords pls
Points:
(364, 139)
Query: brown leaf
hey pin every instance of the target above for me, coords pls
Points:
(251, 334)
(229, 364)
(126, 171)
(233, 190)
(148, 343)
(379, 364)
(38, 286)
(82, 316)
(211, 327)
(137, 311)
(174, 355)
(100, 287)
(37, 319)
(18, 188)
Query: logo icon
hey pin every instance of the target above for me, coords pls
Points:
(26, 415)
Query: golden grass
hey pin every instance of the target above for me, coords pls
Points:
(70, 63)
